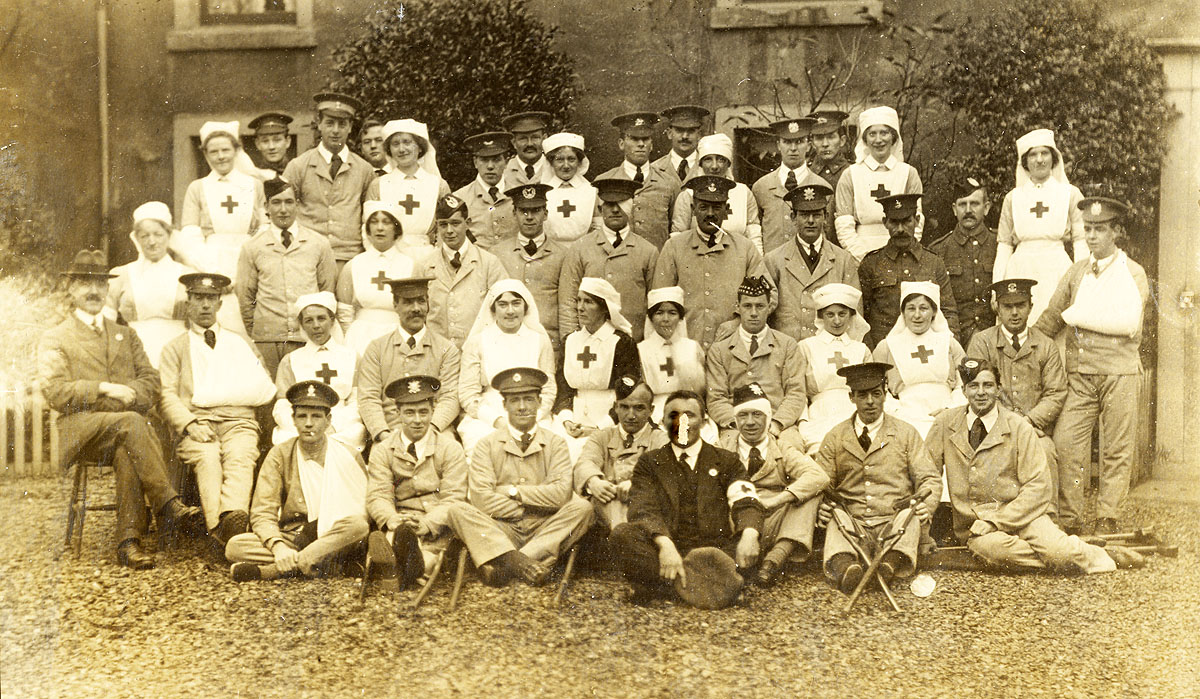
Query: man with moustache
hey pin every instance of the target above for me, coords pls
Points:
(683, 498)
(370, 146)
(529, 165)
(828, 140)
(489, 210)
(309, 510)
(97, 376)
(1000, 487)
(612, 252)
(807, 262)
(902, 259)
(272, 141)
(412, 349)
(706, 262)
(791, 137)
(969, 251)
(330, 180)
(534, 258)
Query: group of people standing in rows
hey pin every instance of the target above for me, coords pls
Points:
(696, 367)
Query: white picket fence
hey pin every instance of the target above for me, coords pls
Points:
(28, 432)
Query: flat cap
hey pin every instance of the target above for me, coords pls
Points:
(712, 579)
(88, 263)
(615, 188)
(685, 116)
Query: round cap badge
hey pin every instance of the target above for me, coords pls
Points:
(793, 127)
(529, 192)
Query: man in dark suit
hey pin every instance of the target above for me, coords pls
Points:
(96, 374)
(681, 502)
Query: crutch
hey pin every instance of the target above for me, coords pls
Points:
(853, 527)
(887, 544)
(566, 578)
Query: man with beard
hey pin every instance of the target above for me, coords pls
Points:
(489, 210)
(969, 251)
(1000, 487)
(684, 496)
(902, 259)
(272, 141)
(412, 349)
(807, 262)
(370, 146)
(529, 165)
(708, 263)
(97, 376)
(533, 257)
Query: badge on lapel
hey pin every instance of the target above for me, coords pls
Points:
(712, 472)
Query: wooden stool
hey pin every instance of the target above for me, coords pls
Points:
(78, 506)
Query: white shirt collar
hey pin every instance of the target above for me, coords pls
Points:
(872, 429)
(746, 337)
(631, 169)
(421, 444)
(1023, 337)
(801, 173)
(500, 186)
(539, 240)
(611, 235)
(744, 448)
(327, 154)
(418, 336)
(692, 451)
(516, 434)
(813, 248)
(462, 250)
(989, 420)
(889, 164)
(278, 232)
(677, 158)
(95, 321)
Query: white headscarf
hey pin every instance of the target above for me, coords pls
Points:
(427, 162)
(151, 211)
(241, 161)
(847, 296)
(878, 116)
(934, 293)
(372, 206)
(603, 289)
(1038, 138)
(326, 300)
(673, 294)
(558, 140)
(486, 319)
(715, 144)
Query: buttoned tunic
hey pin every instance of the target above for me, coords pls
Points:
(270, 279)
(796, 312)
(778, 367)
(331, 207)
(880, 275)
(969, 257)
(388, 358)
(629, 268)
(490, 221)
(541, 274)
(455, 296)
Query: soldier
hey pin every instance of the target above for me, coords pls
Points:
(414, 476)
(807, 262)
(529, 165)
(272, 140)
(791, 137)
(533, 257)
(902, 259)
(1102, 298)
(828, 140)
(685, 123)
(489, 209)
(520, 489)
(969, 251)
(789, 483)
(707, 263)
(308, 512)
(370, 146)
(651, 217)
(614, 253)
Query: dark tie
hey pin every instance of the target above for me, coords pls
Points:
(790, 182)
(811, 256)
(456, 262)
(977, 433)
(529, 172)
(1016, 344)
(335, 164)
(864, 439)
(1095, 269)
(628, 440)
(683, 169)
(494, 193)
(683, 457)
(617, 241)
(753, 345)
(210, 338)
(639, 176)
(530, 247)
(526, 439)
(412, 342)
(755, 462)
(412, 450)
(711, 240)
(286, 236)
(380, 172)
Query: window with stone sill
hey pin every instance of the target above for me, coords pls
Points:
(215, 25)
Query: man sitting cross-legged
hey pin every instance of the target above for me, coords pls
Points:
(683, 498)
(415, 474)
(788, 481)
(519, 482)
(309, 503)
(1000, 485)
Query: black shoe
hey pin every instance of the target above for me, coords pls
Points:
(383, 560)
(245, 572)
(233, 523)
(406, 550)
(640, 595)
(1106, 525)
(851, 578)
(131, 555)
(768, 574)
(492, 575)
(178, 517)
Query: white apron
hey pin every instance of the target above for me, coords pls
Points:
(334, 366)
(376, 315)
(500, 351)
(1039, 252)
(925, 377)
(230, 205)
(669, 367)
(155, 287)
(831, 404)
(415, 201)
(870, 233)
(587, 366)
(569, 212)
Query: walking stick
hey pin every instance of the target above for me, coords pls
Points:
(437, 568)
(458, 577)
(566, 578)
(885, 548)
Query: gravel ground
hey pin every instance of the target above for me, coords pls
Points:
(88, 628)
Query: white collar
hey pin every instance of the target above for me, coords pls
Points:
(500, 187)
(631, 169)
(385, 254)
(801, 173)
(94, 321)
(516, 434)
(744, 448)
(327, 154)
(830, 337)
(600, 331)
(1023, 336)
(692, 451)
(677, 158)
(421, 444)
(418, 336)
(872, 429)
(540, 240)
(814, 247)
(611, 235)
(889, 164)
(746, 337)
(279, 232)
(623, 434)
(989, 419)
(462, 250)
(314, 347)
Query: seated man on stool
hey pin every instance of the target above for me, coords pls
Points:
(310, 500)
(605, 465)
(212, 380)
(414, 475)
(97, 376)
(874, 460)
(682, 501)
(789, 483)
(519, 485)
(1000, 485)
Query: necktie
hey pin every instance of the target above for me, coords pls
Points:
(412, 450)
(711, 240)
(98, 328)
(335, 164)
(412, 342)
(529, 172)
(1095, 269)
(494, 193)
(755, 462)
(286, 236)
(864, 439)
(810, 255)
(683, 459)
(753, 345)
(683, 169)
(977, 433)
(380, 172)
(456, 262)
(639, 176)
(628, 440)
(617, 241)
(530, 247)
(1016, 344)
(790, 182)
(210, 338)
(526, 439)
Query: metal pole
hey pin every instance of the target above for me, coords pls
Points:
(102, 50)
